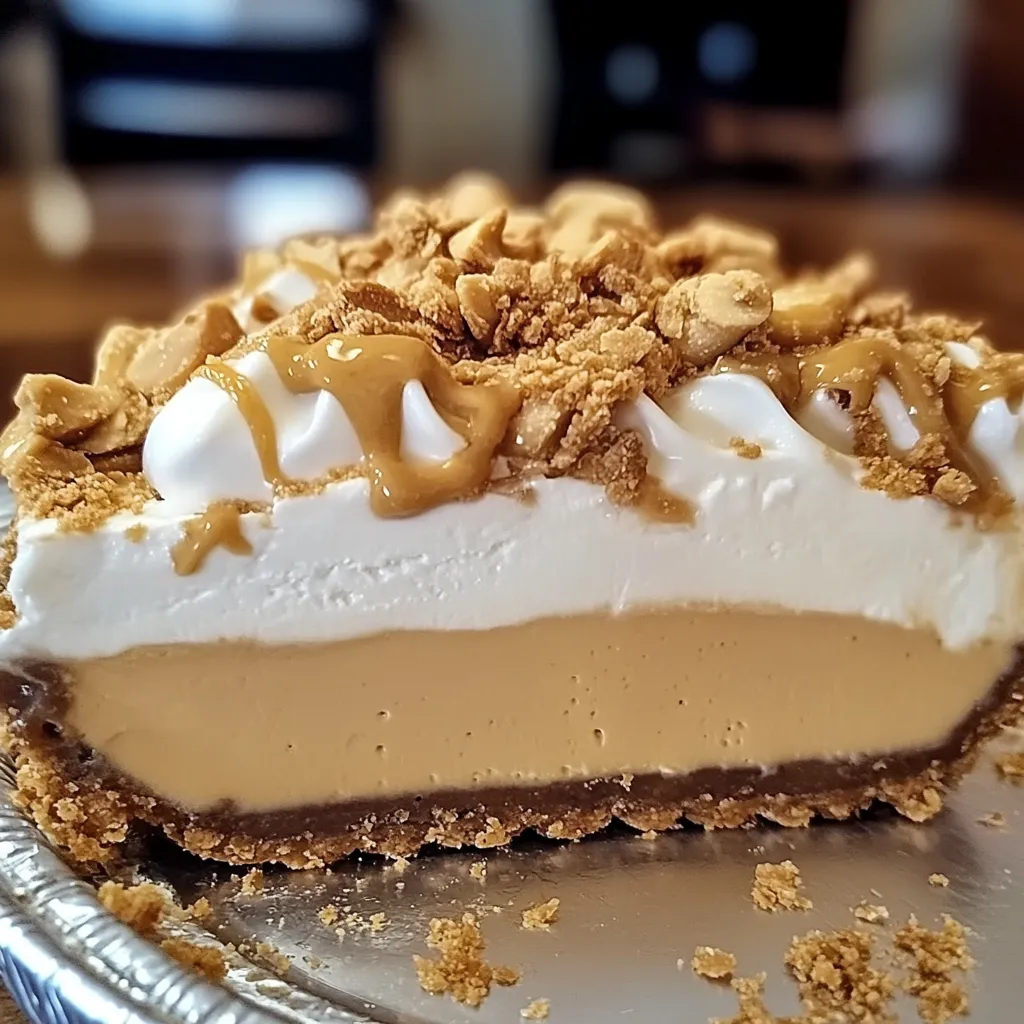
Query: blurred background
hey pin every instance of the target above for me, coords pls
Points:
(144, 142)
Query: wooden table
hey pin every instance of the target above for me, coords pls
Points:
(160, 238)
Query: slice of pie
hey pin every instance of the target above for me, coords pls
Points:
(498, 519)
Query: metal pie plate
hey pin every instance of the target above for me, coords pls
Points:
(630, 909)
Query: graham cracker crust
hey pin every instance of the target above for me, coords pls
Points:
(89, 808)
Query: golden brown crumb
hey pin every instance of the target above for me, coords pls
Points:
(478, 870)
(583, 304)
(273, 957)
(398, 865)
(136, 533)
(460, 969)
(836, 980)
(745, 449)
(252, 883)
(873, 913)
(938, 879)
(994, 819)
(378, 922)
(541, 916)
(953, 486)
(145, 906)
(750, 993)
(200, 910)
(328, 915)
(884, 473)
(710, 962)
(649, 835)
(1011, 766)
(493, 835)
(934, 956)
(8, 549)
(777, 887)
(207, 961)
(141, 907)
(538, 1009)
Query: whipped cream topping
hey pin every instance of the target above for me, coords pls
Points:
(282, 291)
(200, 449)
(792, 529)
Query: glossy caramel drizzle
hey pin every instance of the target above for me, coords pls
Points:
(219, 526)
(967, 389)
(855, 366)
(367, 375)
(252, 407)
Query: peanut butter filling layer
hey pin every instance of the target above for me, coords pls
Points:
(672, 691)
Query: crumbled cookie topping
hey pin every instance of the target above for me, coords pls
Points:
(745, 449)
(583, 304)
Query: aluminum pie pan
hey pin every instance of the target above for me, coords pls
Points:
(630, 910)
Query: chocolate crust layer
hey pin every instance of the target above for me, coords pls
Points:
(88, 807)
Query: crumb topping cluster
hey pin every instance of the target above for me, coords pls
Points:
(582, 303)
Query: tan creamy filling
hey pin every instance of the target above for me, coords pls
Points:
(586, 696)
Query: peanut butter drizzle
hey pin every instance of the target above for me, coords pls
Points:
(854, 367)
(367, 375)
(220, 525)
(252, 407)
(657, 503)
(968, 389)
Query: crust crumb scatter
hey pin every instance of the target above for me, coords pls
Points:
(207, 961)
(994, 819)
(478, 870)
(872, 913)
(328, 915)
(777, 887)
(1011, 766)
(934, 956)
(541, 916)
(538, 1009)
(839, 983)
(939, 880)
(460, 970)
(200, 910)
(714, 963)
(252, 883)
(142, 907)
(834, 975)
(269, 954)
(752, 1009)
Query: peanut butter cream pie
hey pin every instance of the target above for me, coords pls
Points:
(497, 519)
